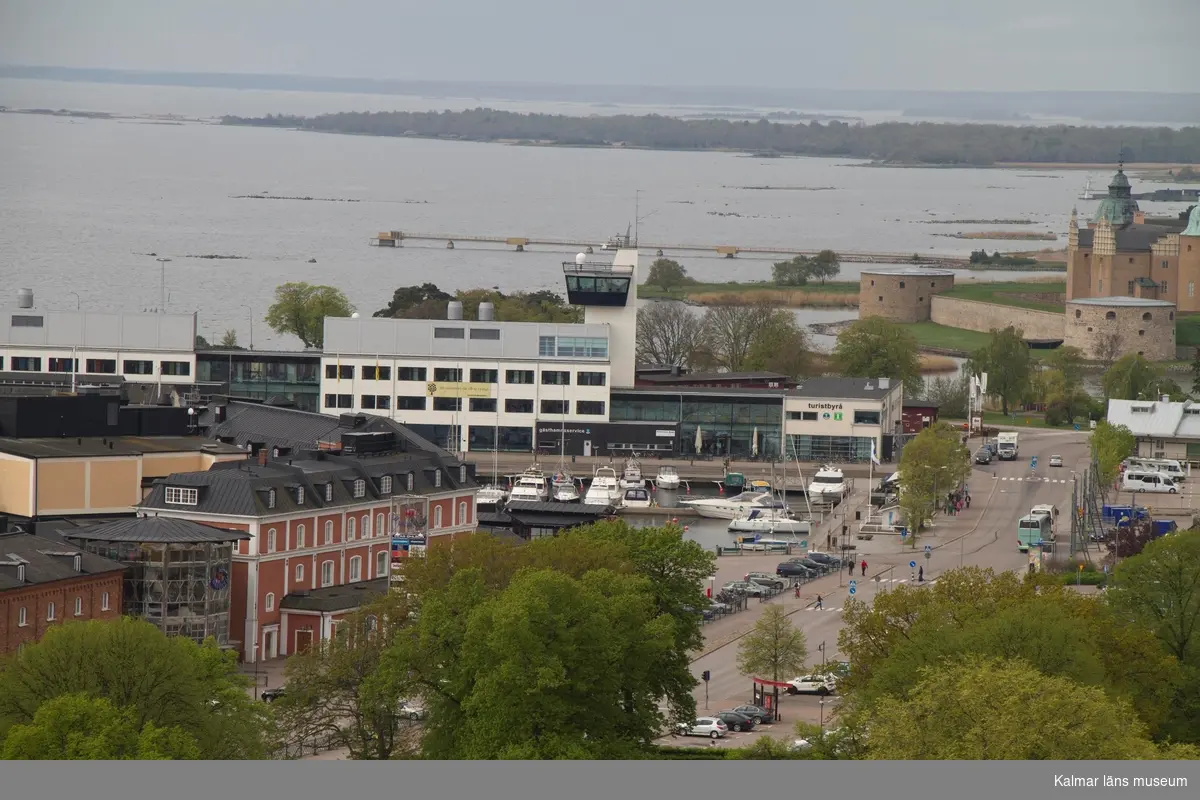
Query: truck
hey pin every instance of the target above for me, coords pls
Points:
(1007, 445)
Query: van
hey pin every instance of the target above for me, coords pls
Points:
(1136, 480)
(1166, 466)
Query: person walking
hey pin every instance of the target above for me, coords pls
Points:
(864, 567)
(820, 603)
(921, 575)
(851, 568)
(797, 591)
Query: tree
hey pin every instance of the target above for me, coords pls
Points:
(873, 347)
(1110, 445)
(81, 727)
(202, 343)
(1069, 362)
(934, 463)
(1109, 348)
(793, 272)
(229, 341)
(1160, 587)
(668, 334)
(667, 274)
(408, 297)
(774, 648)
(732, 333)
(950, 395)
(170, 682)
(978, 708)
(1196, 373)
(826, 264)
(539, 306)
(1128, 540)
(301, 308)
(780, 345)
(1008, 364)
(1132, 377)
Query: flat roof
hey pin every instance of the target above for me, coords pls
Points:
(916, 272)
(843, 388)
(1144, 302)
(73, 447)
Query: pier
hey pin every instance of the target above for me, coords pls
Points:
(396, 238)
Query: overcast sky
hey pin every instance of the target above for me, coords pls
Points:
(837, 44)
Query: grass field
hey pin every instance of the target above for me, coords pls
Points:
(1187, 330)
(1019, 294)
(834, 294)
(930, 334)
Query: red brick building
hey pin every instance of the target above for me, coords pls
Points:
(45, 582)
(918, 416)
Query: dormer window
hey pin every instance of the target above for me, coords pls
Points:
(385, 484)
(178, 495)
(437, 478)
(300, 496)
(329, 493)
(462, 473)
(409, 483)
(360, 488)
(270, 498)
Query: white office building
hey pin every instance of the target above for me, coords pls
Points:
(839, 420)
(1163, 429)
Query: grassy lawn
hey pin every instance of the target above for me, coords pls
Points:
(931, 334)
(648, 292)
(1008, 293)
(1023, 419)
(1187, 330)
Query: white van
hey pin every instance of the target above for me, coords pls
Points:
(1136, 480)
(1166, 466)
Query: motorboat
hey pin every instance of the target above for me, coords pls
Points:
(604, 489)
(563, 488)
(732, 507)
(490, 497)
(667, 478)
(636, 497)
(632, 477)
(530, 486)
(769, 520)
(828, 485)
(754, 542)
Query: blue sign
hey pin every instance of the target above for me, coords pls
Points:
(912, 564)
(853, 585)
(852, 590)
(1076, 426)
(903, 533)
(1033, 462)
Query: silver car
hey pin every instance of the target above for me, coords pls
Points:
(1055, 461)
(711, 727)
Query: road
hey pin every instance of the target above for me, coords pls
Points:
(984, 535)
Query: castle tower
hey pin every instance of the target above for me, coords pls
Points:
(1078, 278)
(1119, 207)
(1104, 250)
(1189, 263)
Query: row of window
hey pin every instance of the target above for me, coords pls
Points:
(98, 366)
(51, 611)
(860, 417)
(382, 559)
(351, 532)
(572, 347)
(455, 375)
(487, 405)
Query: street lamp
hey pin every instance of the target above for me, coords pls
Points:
(76, 294)
(250, 317)
(822, 704)
(162, 285)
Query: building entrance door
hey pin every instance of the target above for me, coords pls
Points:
(304, 640)
(271, 644)
(587, 447)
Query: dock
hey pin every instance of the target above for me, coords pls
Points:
(396, 238)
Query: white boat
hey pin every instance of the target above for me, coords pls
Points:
(667, 478)
(1087, 193)
(563, 488)
(604, 489)
(530, 486)
(632, 477)
(490, 497)
(769, 520)
(755, 542)
(829, 484)
(731, 507)
(636, 498)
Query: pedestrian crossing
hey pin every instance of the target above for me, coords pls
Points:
(1028, 479)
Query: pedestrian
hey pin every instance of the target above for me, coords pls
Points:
(820, 602)
(851, 568)
(968, 501)
(797, 591)
(829, 541)
(921, 575)
(864, 567)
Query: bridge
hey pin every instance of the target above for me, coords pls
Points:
(396, 238)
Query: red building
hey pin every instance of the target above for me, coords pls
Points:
(917, 417)
(45, 582)
(317, 520)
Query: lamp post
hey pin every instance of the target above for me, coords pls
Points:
(822, 704)
(76, 294)
(250, 319)
(162, 285)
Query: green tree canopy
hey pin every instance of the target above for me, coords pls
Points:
(1110, 445)
(301, 308)
(1008, 363)
(825, 264)
(427, 301)
(874, 347)
(667, 274)
(668, 334)
(774, 648)
(934, 463)
(794, 272)
(82, 727)
(1160, 588)
(1132, 377)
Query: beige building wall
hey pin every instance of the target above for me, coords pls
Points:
(16, 485)
(900, 297)
(1089, 326)
(113, 483)
(1189, 273)
(984, 317)
(61, 485)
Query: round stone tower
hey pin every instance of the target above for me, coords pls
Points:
(902, 294)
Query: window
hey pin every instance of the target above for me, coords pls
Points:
(339, 371)
(366, 401)
(101, 366)
(484, 375)
(299, 573)
(174, 368)
(327, 573)
(381, 563)
(380, 528)
(518, 376)
(1146, 316)
(1111, 315)
(63, 364)
(462, 513)
(379, 402)
(1130, 289)
(462, 473)
(366, 526)
(486, 333)
(360, 487)
(447, 374)
(1100, 285)
(437, 479)
(79, 606)
(178, 495)
(409, 483)
(437, 517)
(328, 532)
(269, 602)
(590, 378)
(355, 569)
(555, 378)
(483, 404)
(270, 498)
(50, 612)
(377, 373)
(582, 347)
(410, 403)
(546, 346)
(300, 495)
(1191, 288)
(920, 299)
(1164, 287)
(339, 401)
(866, 417)
(1141, 333)
(26, 364)
(22, 617)
(26, 321)
(447, 404)
(554, 406)
(271, 540)
(301, 537)
(104, 601)
(351, 531)
(449, 333)
(410, 374)
(385, 484)
(1078, 313)
(518, 406)
(590, 407)
(329, 493)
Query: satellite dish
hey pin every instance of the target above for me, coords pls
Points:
(580, 258)
(354, 315)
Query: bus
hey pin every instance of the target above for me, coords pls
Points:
(1034, 530)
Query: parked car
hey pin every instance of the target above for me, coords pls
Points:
(1055, 461)
(746, 587)
(412, 709)
(792, 569)
(983, 455)
(271, 695)
(833, 562)
(706, 614)
(814, 565)
(766, 579)
(756, 713)
(736, 721)
(712, 727)
(810, 684)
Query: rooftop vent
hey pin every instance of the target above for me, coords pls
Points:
(885, 383)
(487, 312)
(25, 298)
(454, 310)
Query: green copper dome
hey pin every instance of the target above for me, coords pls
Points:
(1193, 226)
(1118, 207)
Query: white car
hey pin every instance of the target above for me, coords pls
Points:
(711, 727)
(810, 684)
(413, 710)
(1055, 461)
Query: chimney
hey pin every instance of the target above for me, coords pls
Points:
(487, 312)
(885, 383)
(262, 457)
(1139, 218)
(20, 573)
(25, 298)
(78, 562)
(454, 310)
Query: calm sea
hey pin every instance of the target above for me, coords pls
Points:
(83, 203)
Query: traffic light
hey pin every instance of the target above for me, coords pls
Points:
(706, 676)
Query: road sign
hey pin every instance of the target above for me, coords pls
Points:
(912, 564)
(852, 591)
(928, 555)
(903, 533)
(804, 544)
(1033, 462)
(853, 587)
(928, 548)
(1076, 426)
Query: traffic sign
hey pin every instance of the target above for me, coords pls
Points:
(928, 548)
(912, 564)
(852, 590)
(903, 533)
(853, 587)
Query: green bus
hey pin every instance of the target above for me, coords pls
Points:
(1033, 530)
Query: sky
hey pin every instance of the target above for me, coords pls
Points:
(964, 45)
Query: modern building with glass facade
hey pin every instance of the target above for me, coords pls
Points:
(723, 422)
(839, 420)
(262, 375)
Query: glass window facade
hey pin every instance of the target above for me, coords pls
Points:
(726, 424)
(839, 449)
(572, 347)
(511, 439)
(262, 376)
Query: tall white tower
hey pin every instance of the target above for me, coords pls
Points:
(608, 294)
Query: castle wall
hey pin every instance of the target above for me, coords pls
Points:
(900, 297)
(984, 317)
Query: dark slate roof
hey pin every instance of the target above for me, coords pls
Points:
(61, 378)
(493, 519)
(715, 377)
(531, 508)
(335, 598)
(159, 530)
(1130, 237)
(72, 447)
(46, 561)
(843, 388)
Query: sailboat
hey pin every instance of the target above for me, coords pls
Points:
(562, 485)
(494, 495)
